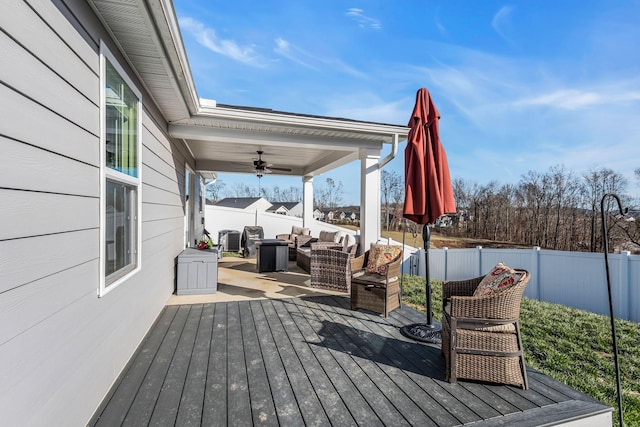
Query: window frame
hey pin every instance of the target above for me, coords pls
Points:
(113, 175)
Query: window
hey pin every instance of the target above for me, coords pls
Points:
(120, 142)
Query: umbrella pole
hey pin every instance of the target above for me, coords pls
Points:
(429, 332)
(426, 238)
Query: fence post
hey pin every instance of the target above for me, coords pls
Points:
(479, 248)
(535, 271)
(446, 255)
(625, 287)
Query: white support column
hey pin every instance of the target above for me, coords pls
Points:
(307, 201)
(369, 198)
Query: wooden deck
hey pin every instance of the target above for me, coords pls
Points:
(312, 361)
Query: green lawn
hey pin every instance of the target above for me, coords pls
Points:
(573, 346)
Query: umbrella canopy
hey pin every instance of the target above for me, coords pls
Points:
(428, 190)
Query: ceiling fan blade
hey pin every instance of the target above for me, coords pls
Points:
(280, 169)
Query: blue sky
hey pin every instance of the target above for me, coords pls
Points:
(520, 86)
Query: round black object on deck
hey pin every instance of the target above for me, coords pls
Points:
(423, 332)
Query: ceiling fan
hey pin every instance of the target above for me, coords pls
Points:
(262, 167)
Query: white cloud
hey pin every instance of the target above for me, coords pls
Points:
(363, 20)
(306, 59)
(368, 106)
(285, 49)
(501, 22)
(572, 99)
(207, 37)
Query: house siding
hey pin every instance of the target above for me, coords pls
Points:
(61, 347)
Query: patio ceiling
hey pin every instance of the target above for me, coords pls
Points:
(225, 138)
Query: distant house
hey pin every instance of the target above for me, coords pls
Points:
(245, 203)
(286, 208)
(318, 215)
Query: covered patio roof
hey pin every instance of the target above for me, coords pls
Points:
(225, 138)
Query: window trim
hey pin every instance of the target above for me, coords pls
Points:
(117, 176)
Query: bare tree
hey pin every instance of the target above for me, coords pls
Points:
(598, 183)
(333, 193)
(390, 184)
(214, 191)
(240, 189)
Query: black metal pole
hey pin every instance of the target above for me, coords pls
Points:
(426, 238)
(429, 331)
(605, 239)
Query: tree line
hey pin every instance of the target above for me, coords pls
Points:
(556, 209)
(327, 196)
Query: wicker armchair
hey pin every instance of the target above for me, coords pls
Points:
(481, 335)
(372, 291)
(330, 266)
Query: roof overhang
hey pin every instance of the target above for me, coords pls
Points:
(225, 138)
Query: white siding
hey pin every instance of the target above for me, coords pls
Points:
(61, 347)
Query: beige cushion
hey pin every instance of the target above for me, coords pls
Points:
(327, 236)
(498, 279)
(348, 241)
(509, 328)
(300, 231)
(370, 279)
(380, 256)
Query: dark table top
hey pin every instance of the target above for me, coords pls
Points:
(272, 242)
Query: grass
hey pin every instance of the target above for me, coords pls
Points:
(570, 345)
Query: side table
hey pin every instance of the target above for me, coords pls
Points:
(272, 255)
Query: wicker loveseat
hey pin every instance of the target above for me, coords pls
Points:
(374, 280)
(303, 251)
(481, 334)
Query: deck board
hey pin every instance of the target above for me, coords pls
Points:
(190, 408)
(284, 398)
(311, 361)
(262, 407)
(214, 410)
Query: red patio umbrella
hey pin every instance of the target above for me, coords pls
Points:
(428, 191)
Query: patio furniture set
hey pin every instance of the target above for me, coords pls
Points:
(372, 279)
(480, 321)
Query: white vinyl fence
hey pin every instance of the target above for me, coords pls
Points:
(220, 218)
(574, 279)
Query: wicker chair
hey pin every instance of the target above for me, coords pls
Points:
(296, 238)
(481, 335)
(375, 292)
(331, 266)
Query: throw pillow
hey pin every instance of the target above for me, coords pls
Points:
(380, 256)
(498, 279)
(301, 231)
(347, 242)
(327, 236)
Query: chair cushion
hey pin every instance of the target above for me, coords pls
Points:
(370, 279)
(498, 279)
(327, 236)
(348, 241)
(301, 231)
(509, 328)
(380, 256)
